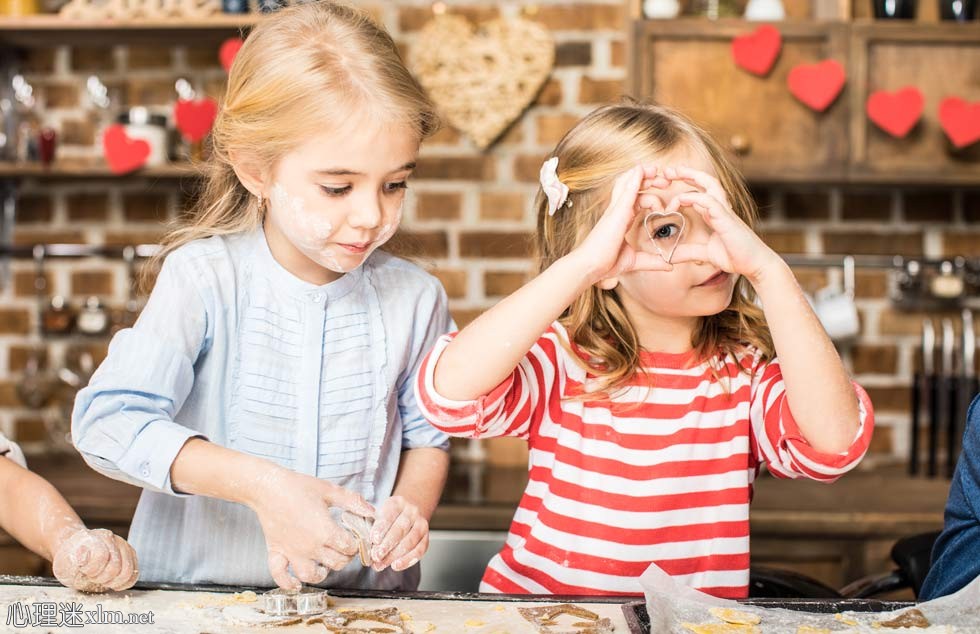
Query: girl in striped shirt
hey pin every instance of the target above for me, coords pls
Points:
(638, 366)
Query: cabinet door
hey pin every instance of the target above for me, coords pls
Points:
(688, 64)
(941, 61)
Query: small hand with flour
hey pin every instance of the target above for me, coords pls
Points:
(94, 560)
(400, 535)
(301, 536)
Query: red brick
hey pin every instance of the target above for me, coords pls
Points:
(24, 282)
(92, 283)
(454, 281)
(77, 132)
(492, 244)
(463, 316)
(31, 429)
(148, 57)
(573, 54)
(15, 321)
(961, 243)
(806, 205)
(439, 206)
(550, 94)
(127, 238)
(889, 399)
(87, 206)
(552, 127)
(599, 90)
(28, 237)
(785, 240)
(874, 359)
(478, 168)
(413, 19)
(502, 206)
(34, 208)
(501, 283)
(146, 207)
(60, 95)
(92, 58)
(18, 356)
(528, 167)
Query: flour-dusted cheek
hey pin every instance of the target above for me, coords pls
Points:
(308, 232)
(388, 229)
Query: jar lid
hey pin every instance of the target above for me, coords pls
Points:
(139, 115)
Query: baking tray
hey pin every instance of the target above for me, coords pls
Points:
(639, 621)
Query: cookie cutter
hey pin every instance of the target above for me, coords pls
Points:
(360, 527)
(303, 602)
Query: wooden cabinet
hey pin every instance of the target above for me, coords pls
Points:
(687, 63)
(941, 61)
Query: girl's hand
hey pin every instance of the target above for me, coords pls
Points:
(400, 535)
(95, 561)
(302, 538)
(605, 251)
(733, 246)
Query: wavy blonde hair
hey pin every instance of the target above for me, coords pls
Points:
(604, 144)
(298, 71)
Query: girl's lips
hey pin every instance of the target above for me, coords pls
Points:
(355, 248)
(718, 278)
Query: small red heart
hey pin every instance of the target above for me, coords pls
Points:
(194, 118)
(960, 120)
(895, 112)
(817, 85)
(757, 51)
(122, 153)
(229, 49)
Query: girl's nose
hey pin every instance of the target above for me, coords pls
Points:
(367, 214)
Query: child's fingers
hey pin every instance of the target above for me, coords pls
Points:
(413, 555)
(92, 556)
(399, 528)
(308, 571)
(691, 252)
(347, 500)
(128, 571)
(624, 191)
(112, 568)
(385, 517)
(705, 181)
(332, 559)
(279, 568)
(644, 261)
(710, 208)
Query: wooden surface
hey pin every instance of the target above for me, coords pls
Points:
(787, 142)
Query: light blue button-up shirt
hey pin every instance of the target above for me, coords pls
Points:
(234, 348)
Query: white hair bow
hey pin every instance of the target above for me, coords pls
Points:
(554, 189)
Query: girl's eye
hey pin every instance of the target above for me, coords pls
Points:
(391, 188)
(335, 191)
(665, 231)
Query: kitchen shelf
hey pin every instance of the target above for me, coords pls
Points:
(69, 170)
(53, 30)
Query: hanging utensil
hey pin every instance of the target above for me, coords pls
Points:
(919, 388)
(932, 393)
(126, 318)
(967, 386)
(947, 385)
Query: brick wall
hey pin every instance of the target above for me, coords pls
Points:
(469, 212)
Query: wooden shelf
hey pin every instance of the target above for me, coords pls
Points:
(68, 170)
(52, 30)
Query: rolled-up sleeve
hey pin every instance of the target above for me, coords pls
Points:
(123, 421)
(778, 441)
(416, 430)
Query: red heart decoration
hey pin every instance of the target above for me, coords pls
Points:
(960, 120)
(817, 85)
(121, 152)
(895, 112)
(195, 117)
(228, 51)
(757, 51)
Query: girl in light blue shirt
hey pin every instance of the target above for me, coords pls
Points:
(267, 384)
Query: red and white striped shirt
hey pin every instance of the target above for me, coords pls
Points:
(661, 473)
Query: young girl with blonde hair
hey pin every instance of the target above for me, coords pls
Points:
(268, 382)
(648, 383)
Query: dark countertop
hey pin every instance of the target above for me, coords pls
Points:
(881, 503)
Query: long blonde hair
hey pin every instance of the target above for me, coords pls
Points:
(604, 144)
(298, 71)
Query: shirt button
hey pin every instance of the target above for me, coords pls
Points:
(316, 298)
(145, 469)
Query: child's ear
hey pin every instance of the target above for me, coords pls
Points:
(250, 173)
(608, 284)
